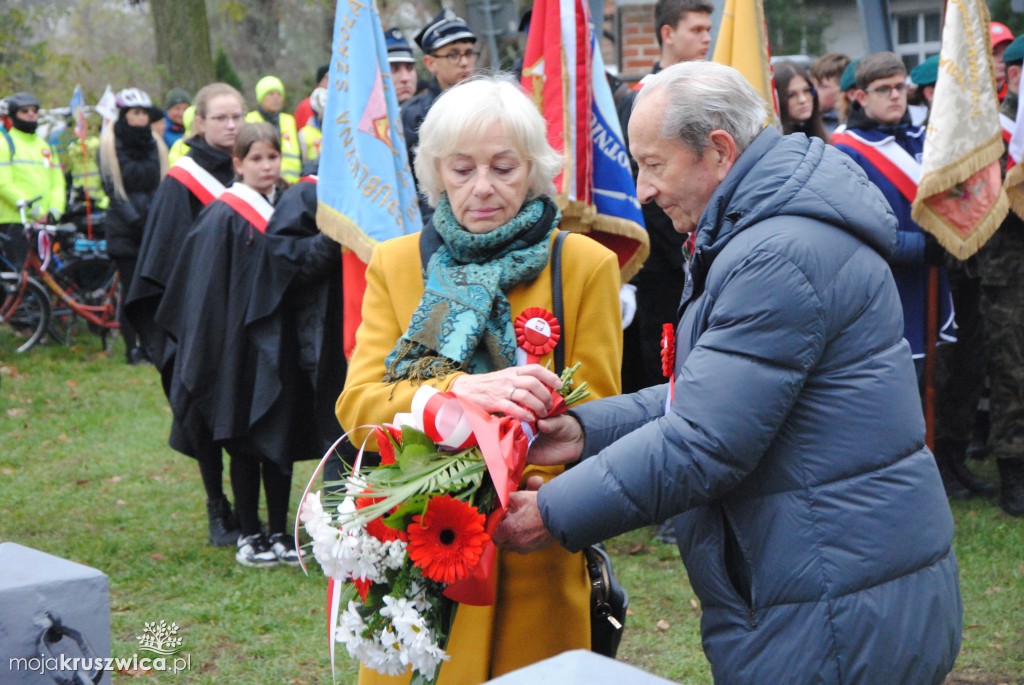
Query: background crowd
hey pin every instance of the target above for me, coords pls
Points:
(234, 295)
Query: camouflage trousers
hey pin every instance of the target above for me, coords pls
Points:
(1002, 309)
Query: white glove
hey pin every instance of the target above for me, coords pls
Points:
(627, 303)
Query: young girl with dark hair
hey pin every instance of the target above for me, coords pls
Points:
(798, 102)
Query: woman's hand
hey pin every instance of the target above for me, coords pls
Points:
(523, 392)
(559, 441)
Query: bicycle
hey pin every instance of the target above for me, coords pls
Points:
(24, 303)
(84, 283)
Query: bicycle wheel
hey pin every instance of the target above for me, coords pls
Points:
(31, 317)
(63, 322)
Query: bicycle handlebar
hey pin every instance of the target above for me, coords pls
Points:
(21, 204)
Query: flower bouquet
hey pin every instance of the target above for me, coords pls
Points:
(405, 542)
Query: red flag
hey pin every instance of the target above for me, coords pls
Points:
(564, 75)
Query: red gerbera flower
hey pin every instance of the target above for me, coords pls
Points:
(384, 445)
(376, 527)
(362, 587)
(447, 540)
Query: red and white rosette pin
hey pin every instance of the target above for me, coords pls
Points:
(537, 333)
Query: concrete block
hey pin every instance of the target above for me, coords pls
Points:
(579, 667)
(33, 583)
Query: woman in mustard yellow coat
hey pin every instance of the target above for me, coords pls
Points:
(486, 166)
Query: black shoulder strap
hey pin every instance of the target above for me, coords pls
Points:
(556, 298)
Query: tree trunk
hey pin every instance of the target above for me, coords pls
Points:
(183, 43)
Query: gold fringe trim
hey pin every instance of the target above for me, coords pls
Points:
(1012, 186)
(343, 230)
(943, 179)
(580, 217)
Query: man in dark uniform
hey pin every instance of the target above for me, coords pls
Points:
(449, 53)
(1001, 266)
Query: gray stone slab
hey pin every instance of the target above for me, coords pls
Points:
(579, 667)
(33, 583)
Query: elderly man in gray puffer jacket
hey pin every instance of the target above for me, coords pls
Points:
(808, 511)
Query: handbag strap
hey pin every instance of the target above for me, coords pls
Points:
(556, 299)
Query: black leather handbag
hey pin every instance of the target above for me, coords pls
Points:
(608, 603)
(608, 599)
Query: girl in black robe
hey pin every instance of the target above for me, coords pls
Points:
(218, 376)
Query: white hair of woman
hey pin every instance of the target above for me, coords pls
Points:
(474, 105)
(703, 97)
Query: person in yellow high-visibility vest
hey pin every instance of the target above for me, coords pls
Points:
(310, 134)
(270, 96)
(29, 167)
(180, 146)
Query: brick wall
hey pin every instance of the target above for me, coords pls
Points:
(638, 46)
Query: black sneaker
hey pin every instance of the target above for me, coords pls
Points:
(223, 526)
(254, 551)
(283, 546)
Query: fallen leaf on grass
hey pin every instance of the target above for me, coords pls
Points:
(81, 482)
(636, 549)
(662, 625)
(15, 412)
(694, 603)
(121, 502)
(7, 472)
(629, 612)
(63, 437)
(72, 383)
(995, 589)
(115, 479)
(998, 646)
(1021, 569)
(158, 556)
(972, 626)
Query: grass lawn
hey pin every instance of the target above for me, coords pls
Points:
(85, 474)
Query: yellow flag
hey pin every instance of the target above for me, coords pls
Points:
(742, 44)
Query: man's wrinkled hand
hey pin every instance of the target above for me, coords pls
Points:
(559, 441)
(522, 530)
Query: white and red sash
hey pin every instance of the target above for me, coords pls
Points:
(311, 178)
(1007, 124)
(198, 180)
(891, 160)
(253, 207)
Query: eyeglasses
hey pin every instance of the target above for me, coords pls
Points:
(886, 91)
(809, 92)
(225, 118)
(456, 57)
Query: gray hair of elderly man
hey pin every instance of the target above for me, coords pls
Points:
(702, 97)
(474, 105)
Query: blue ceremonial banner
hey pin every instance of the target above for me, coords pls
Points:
(365, 189)
(614, 192)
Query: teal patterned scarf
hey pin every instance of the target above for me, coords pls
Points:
(464, 321)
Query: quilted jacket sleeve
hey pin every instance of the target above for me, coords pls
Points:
(763, 330)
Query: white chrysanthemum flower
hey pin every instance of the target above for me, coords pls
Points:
(316, 520)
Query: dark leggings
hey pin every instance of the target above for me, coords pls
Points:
(247, 464)
(126, 268)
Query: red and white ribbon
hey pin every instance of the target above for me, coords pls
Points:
(441, 416)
